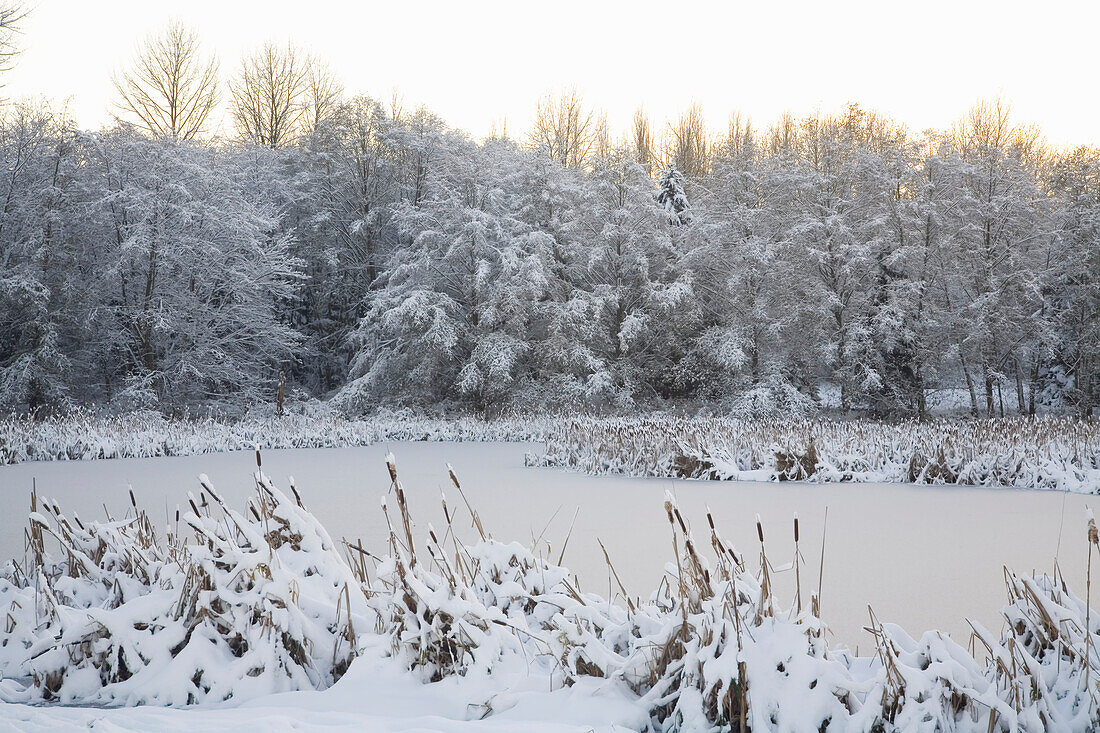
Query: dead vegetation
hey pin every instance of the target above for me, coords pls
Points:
(1055, 453)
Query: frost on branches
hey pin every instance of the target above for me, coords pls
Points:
(229, 605)
(389, 259)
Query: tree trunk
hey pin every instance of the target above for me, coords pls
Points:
(988, 391)
(922, 404)
(970, 387)
(1033, 388)
(1020, 391)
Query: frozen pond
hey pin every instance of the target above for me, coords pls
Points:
(923, 557)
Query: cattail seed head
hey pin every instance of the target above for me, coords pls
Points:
(391, 465)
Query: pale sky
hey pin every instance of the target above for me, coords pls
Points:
(475, 63)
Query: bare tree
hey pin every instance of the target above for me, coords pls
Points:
(602, 146)
(12, 15)
(171, 88)
(568, 130)
(269, 95)
(783, 135)
(687, 145)
(643, 140)
(739, 135)
(323, 91)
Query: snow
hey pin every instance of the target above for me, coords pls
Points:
(500, 636)
(371, 696)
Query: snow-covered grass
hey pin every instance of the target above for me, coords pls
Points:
(145, 434)
(1047, 452)
(229, 606)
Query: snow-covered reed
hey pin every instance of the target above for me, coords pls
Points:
(1047, 452)
(222, 605)
(229, 605)
(83, 436)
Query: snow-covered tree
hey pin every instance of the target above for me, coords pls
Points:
(195, 267)
(39, 290)
(671, 196)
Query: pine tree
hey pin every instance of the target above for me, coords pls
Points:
(671, 196)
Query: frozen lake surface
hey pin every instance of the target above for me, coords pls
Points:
(923, 557)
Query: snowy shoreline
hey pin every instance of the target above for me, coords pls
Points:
(149, 434)
(1031, 453)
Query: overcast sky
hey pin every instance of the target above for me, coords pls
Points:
(475, 64)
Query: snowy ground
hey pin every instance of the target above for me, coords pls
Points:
(365, 699)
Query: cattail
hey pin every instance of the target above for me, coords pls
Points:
(391, 465)
(796, 527)
(759, 529)
(454, 478)
(259, 463)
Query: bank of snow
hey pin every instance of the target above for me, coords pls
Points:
(370, 697)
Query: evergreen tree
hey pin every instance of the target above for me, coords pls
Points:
(671, 196)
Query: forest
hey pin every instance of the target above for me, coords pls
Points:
(368, 254)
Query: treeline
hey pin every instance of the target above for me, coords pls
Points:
(376, 256)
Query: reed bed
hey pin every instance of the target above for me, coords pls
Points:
(83, 436)
(228, 605)
(1047, 452)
